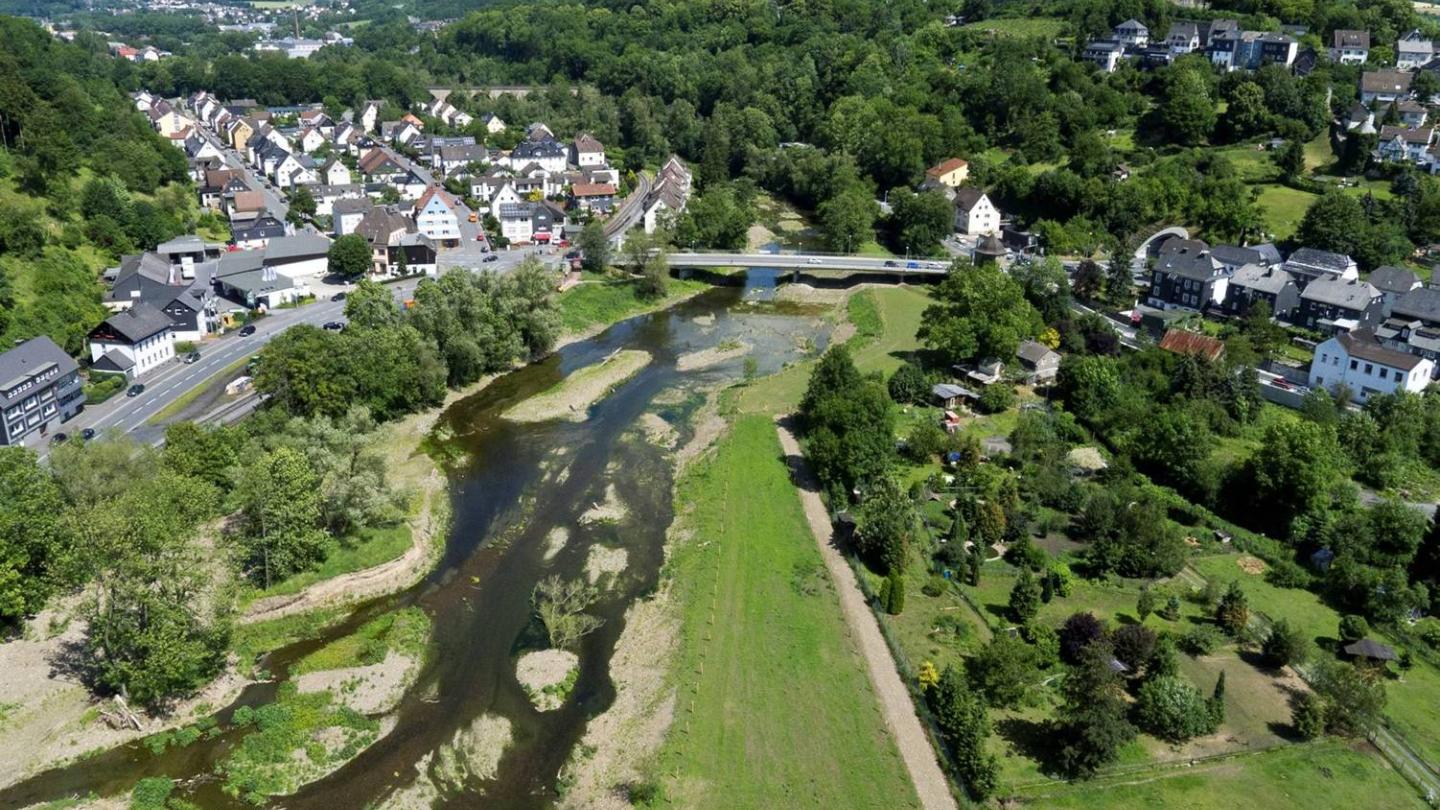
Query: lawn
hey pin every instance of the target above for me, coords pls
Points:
(1284, 207)
(774, 706)
(1048, 27)
(1328, 774)
(368, 547)
(900, 309)
(587, 305)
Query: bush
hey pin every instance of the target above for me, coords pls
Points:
(896, 603)
(1201, 639)
(925, 442)
(1353, 628)
(101, 387)
(151, 793)
(1307, 714)
(1173, 710)
(1284, 645)
(1287, 574)
(908, 385)
(996, 398)
(934, 586)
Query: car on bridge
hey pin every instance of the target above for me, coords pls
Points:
(812, 260)
(912, 265)
(892, 264)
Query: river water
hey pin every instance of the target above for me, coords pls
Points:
(514, 483)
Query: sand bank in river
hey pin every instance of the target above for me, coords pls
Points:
(372, 689)
(544, 674)
(573, 396)
(712, 356)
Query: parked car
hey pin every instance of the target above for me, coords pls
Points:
(59, 438)
(247, 330)
(1282, 383)
(192, 357)
(474, 217)
(340, 296)
(334, 326)
(136, 390)
(87, 434)
(491, 258)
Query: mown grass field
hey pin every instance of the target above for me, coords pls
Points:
(774, 706)
(1048, 27)
(586, 305)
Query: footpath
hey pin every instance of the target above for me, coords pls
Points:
(914, 745)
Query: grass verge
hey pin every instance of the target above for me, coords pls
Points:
(403, 631)
(588, 305)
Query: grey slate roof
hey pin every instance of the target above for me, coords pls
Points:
(1391, 279)
(300, 245)
(28, 359)
(1181, 257)
(1265, 279)
(1232, 255)
(1324, 259)
(138, 322)
(1361, 343)
(1268, 252)
(1422, 303)
(1356, 295)
(967, 197)
(1033, 351)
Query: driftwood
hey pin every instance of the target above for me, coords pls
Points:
(120, 715)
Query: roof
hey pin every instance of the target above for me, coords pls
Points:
(1366, 648)
(967, 197)
(1322, 259)
(1422, 303)
(1268, 252)
(266, 227)
(1421, 135)
(434, 192)
(1187, 258)
(296, 246)
(351, 205)
(592, 189)
(1183, 29)
(1270, 280)
(951, 391)
(1348, 38)
(1392, 279)
(1385, 81)
(946, 166)
(1354, 294)
(28, 359)
(1032, 351)
(1236, 256)
(1363, 344)
(381, 223)
(113, 360)
(249, 201)
(1133, 23)
(134, 324)
(1180, 341)
(585, 142)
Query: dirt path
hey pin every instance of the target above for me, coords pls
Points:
(895, 703)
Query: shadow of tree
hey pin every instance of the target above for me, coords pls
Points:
(1034, 739)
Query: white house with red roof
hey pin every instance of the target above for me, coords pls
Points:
(437, 216)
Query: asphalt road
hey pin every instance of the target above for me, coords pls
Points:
(807, 261)
(273, 200)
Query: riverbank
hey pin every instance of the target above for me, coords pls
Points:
(572, 397)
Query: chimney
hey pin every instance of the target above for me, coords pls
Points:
(170, 279)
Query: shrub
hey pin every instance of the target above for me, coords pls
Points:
(102, 387)
(1307, 714)
(1172, 709)
(151, 793)
(1353, 628)
(1287, 574)
(1201, 639)
(925, 442)
(934, 586)
(1284, 645)
(1233, 611)
(996, 398)
(895, 603)
(908, 385)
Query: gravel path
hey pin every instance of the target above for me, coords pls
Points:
(895, 703)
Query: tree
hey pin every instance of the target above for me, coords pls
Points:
(1173, 710)
(1134, 645)
(1003, 670)
(1353, 700)
(348, 256)
(1172, 608)
(848, 422)
(885, 523)
(1079, 632)
(594, 247)
(980, 312)
(920, 221)
(1090, 724)
(302, 206)
(1307, 715)
(560, 605)
(1292, 472)
(1336, 221)
(281, 534)
(1145, 604)
(908, 385)
(1290, 159)
(965, 727)
(1247, 114)
(1353, 628)
(895, 594)
(654, 278)
(1024, 597)
(847, 220)
(371, 306)
(33, 543)
(1187, 112)
(1284, 645)
(1233, 612)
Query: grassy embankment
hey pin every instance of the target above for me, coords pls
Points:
(774, 708)
(602, 303)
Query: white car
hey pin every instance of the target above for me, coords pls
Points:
(813, 260)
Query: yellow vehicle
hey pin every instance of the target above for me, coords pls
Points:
(474, 217)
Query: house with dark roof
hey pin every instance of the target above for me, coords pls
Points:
(133, 342)
(587, 151)
(1392, 282)
(1187, 275)
(550, 154)
(1404, 145)
(1307, 264)
(1384, 86)
(975, 215)
(526, 222)
(40, 387)
(1041, 363)
(182, 292)
(256, 233)
(1330, 305)
(1358, 361)
(1350, 47)
(1253, 284)
(1420, 304)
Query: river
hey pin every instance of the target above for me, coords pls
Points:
(513, 484)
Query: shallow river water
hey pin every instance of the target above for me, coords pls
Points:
(514, 484)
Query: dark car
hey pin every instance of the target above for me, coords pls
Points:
(334, 326)
(892, 264)
(136, 390)
(340, 296)
(192, 357)
(59, 438)
(247, 330)
(491, 258)
(87, 434)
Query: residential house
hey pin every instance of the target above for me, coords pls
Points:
(1104, 54)
(452, 159)
(548, 153)
(1349, 47)
(1232, 258)
(1331, 305)
(951, 172)
(1393, 283)
(492, 123)
(309, 140)
(1132, 33)
(240, 203)
(594, 197)
(1383, 86)
(212, 187)
(1253, 284)
(975, 215)
(1412, 113)
(239, 132)
(1402, 145)
(334, 173)
(39, 387)
(1358, 361)
(1307, 264)
(326, 196)
(1250, 50)
(586, 151)
(377, 164)
(437, 216)
(1411, 336)
(1041, 363)
(538, 132)
(182, 292)
(133, 341)
(1421, 304)
(1360, 119)
(664, 202)
(257, 232)
(370, 115)
(1183, 38)
(1413, 50)
(526, 222)
(244, 279)
(412, 254)
(346, 214)
(1186, 275)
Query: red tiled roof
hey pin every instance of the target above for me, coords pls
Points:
(946, 166)
(592, 189)
(1181, 342)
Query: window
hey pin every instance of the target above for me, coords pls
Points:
(1369, 368)
(1354, 365)
(1384, 374)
